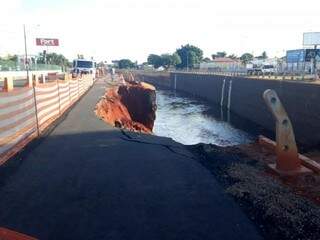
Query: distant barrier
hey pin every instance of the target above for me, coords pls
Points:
(26, 112)
(279, 75)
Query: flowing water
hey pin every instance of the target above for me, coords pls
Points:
(190, 121)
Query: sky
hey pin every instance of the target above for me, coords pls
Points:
(115, 29)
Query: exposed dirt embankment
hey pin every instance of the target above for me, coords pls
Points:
(131, 106)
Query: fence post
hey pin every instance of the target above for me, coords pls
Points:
(30, 80)
(43, 78)
(59, 96)
(8, 84)
(78, 87)
(67, 77)
(35, 107)
(35, 79)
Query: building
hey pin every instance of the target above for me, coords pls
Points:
(222, 64)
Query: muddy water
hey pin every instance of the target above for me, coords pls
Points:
(190, 121)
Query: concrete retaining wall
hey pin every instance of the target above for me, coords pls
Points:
(157, 79)
(301, 100)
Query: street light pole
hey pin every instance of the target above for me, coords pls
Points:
(26, 51)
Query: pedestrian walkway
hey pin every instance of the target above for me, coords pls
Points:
(87, 180)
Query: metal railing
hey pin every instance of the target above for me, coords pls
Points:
(278, 75)
(13, 66)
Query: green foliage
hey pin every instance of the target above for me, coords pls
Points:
(169, 60)
(206, 60)
(126, 64)
(246, 57)
(219, 55)
(155, 60)
(233, 56)
(54, 59)
(189, 55)
(176, 60)
(263, 55)
(13, 58)
(165, 60)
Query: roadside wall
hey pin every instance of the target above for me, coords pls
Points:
(159, 79)
(23, 74)
(301, 100)
(25, 112)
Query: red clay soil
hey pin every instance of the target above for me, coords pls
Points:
(140, 100)
(131, 106)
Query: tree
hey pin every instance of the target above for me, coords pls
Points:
(13, 58)
(168, 60)
(126, 63)
(263, 55)
(53, 58)
(155, 60)
(233, 56)
(206, 60)
(176, 60)
(219, 54)
(246, 57)
(189, 55)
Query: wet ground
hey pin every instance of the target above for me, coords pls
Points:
(189, 120)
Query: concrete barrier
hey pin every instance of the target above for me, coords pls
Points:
(243, 96)
(23, 74)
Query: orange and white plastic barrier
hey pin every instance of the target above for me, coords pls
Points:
(25, 112)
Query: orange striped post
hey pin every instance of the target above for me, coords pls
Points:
(8, 84)
(35, 80)
(288, 162)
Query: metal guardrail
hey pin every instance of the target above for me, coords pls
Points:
(266, 76)
(12, 66)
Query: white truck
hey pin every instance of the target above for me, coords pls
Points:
(82, 66)
(259, 66)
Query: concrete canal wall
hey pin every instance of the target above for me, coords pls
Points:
(244, 97)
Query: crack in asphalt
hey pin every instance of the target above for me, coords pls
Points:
(169, 147)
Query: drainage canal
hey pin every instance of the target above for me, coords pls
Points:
(189, 120)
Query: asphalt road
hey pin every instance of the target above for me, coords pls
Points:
(87, 180)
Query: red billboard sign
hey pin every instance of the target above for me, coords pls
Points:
(47, 42)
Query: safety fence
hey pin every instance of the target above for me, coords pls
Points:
(26, 112)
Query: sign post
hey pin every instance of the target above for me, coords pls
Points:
(48, 42)
(312, 39)
(54, 42)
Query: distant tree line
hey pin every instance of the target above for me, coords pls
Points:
(54, 59)
(188, 56)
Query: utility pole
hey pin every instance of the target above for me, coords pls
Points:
(25, 50)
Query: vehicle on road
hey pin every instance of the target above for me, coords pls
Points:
(268, 68)
(82, 66)
(257, 67)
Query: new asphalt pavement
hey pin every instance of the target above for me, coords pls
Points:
(88, 180)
